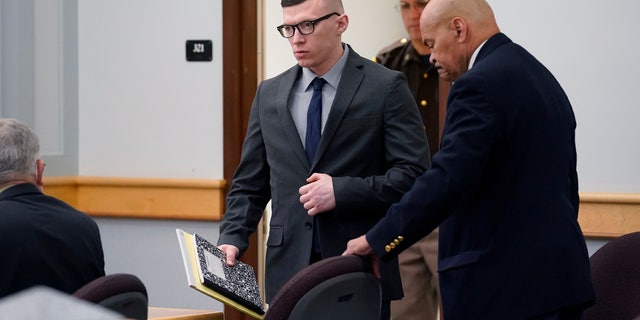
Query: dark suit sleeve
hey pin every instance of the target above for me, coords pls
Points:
(249, 192)
(470, 132)
(405, 152)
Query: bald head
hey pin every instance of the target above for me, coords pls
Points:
(475, 14)
(454, 29)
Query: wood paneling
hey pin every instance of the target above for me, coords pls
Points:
(240, 81)
(146, 198)
(602, 215)
(609, 215)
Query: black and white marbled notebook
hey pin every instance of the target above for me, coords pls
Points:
(238, 283)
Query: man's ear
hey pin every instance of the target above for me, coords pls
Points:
(40, 173)
(459, 26)
(343, 23)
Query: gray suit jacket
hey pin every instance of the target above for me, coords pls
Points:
(373, 145)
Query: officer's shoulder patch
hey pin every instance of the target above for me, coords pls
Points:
(395, 45)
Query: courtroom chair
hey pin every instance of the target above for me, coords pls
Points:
(341, 287)
(121, 292)
(615, 269)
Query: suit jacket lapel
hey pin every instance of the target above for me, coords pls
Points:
(284, 114)
(350, 81)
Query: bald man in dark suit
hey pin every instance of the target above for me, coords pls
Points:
(504, 185)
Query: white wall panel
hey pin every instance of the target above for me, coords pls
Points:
(144, 110)
(48, 80)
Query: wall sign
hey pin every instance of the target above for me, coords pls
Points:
(199, 50)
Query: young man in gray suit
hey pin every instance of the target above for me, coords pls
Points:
(371, 149)
(503, 187)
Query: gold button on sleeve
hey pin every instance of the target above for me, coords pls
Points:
(401, 238)
(387, 248)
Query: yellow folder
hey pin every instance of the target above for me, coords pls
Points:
(190, 260)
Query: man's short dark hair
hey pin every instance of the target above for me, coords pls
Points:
(290, 3)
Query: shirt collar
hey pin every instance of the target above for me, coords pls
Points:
(6, 187)
(475, 54)
(332, 76)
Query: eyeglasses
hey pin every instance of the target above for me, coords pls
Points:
(404, 7)
(305, 27)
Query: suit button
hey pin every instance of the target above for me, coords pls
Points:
(387, 248)
(307, 225)
(423, 103)
(401, 238)
(425, 75)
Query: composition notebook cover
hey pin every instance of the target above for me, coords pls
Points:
(208, 273)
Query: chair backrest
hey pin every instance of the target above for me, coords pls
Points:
(341, 287)
(120, 292)
(615, 269)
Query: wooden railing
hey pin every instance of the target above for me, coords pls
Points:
(602, 215)
(147, 198)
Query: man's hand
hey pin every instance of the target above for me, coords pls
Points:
(360, 246)
(231, 252)
(317, 196)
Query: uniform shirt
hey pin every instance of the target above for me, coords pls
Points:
(423, 83)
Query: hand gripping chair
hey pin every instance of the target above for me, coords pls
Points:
(615, 269)
(120, 292)
(341, 287)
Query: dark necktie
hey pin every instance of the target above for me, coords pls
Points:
(314, 119)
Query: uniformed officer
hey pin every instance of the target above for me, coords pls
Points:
(423, 79)
(419, 263)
